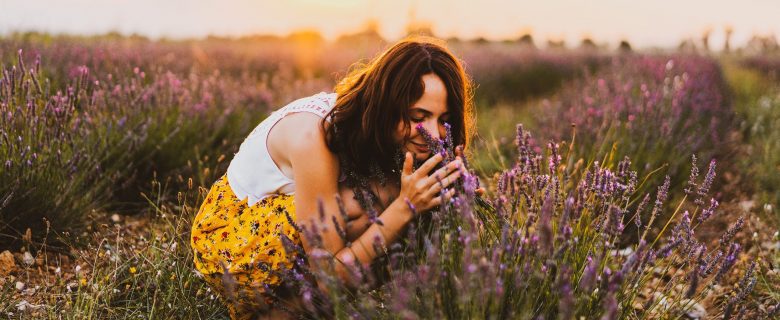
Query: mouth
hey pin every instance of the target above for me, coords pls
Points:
(422, 148)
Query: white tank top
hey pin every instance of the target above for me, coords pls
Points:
(252, 173)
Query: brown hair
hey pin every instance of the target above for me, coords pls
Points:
(373, 98)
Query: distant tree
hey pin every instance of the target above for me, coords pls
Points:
(624, 46)
(454, 39)
(556, 44)
(759, 44)
(480, 40)
(419, 28)
(727, 45)
(588, 44)
(215, 38)
(705, 39)
(368, 34)
(138, 37)
(687, 46)
(526, 40)
(266, 38)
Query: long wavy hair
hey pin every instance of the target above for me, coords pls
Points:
(373, 98)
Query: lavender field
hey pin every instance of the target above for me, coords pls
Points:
(620, 184)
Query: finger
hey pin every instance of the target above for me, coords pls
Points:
(480, 191)
(443, 183)
(450, 179)
(407, 169)
(459, 151)
(443, 172)
(445, 197)
(429, 165)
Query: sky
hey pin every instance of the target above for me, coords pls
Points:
(655, 23)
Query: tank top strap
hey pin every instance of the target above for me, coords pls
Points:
(319, 104)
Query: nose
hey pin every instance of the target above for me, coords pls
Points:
(434, 129)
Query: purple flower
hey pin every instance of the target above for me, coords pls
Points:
(725, 240)
(554, 160)
(589, 275)
(696, 272)
(434, 144)
(667, 249)
(639, 209)
(691, 185)
(707, 213)
(728, 262)
(705, 186)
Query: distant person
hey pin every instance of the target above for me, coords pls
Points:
(361, 143)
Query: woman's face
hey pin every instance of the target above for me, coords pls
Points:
(430, 111)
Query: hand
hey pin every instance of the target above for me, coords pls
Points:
(423, 191)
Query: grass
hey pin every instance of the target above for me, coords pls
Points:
(757, 102)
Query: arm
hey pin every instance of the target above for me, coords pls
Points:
(315, 171)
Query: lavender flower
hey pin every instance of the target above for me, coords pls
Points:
(434, 144)
(639, 209)
(728, 262)
(707, 213)
(705, 186)
(690, 188)
(660, 198)
(727, 236)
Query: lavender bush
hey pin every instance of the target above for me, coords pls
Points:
(545, 245)
(511, 73)
(87, 128)
(658, 109)
(505, 72)
(69, 152)
(54, 166)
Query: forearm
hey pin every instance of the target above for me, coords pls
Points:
(363, 250)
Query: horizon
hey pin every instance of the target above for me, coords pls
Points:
(661, 24)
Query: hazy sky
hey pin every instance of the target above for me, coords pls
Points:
(644, 23)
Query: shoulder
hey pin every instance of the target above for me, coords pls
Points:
(319, 104)
(299, 138)
(301, 128)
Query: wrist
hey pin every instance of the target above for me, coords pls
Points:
(401, 210)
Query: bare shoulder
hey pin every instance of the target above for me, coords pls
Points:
(298, 135)
(297, 128)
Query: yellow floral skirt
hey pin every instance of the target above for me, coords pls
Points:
(239, 249)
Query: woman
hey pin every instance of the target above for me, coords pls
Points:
(361, 143)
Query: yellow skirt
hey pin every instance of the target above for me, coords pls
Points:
(239, 249)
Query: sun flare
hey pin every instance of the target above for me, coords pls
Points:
(332, 3)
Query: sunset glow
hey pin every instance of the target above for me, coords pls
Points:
(655, 23)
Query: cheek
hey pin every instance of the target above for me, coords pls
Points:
(401, 133)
